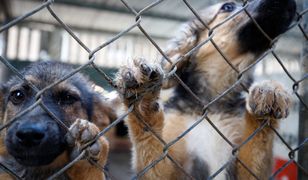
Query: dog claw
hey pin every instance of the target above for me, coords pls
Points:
(94, 149)
(145, 69)
(153, 75)
(86, 136)
(128, 76)
(130, 80)
(278, 114)
(253, 106)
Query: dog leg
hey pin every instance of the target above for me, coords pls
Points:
(266, 101)
(82, 132)
(140, 86)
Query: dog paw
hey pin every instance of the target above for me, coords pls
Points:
(139, 79)
(81, 133)
(269, 99)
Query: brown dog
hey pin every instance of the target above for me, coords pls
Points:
(202, 151)
(35, 146)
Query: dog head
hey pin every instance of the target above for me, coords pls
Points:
(238, 38)
(35, 138)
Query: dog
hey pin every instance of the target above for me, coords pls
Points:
(35, 145)
(202, 151)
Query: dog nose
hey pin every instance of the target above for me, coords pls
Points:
(30, 135)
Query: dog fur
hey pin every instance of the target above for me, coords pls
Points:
(202, 151)
(35, 146)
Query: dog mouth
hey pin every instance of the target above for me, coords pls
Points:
(36, 156)
(35, 159)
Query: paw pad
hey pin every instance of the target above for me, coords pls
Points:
(140, 78)
(269, 99)
(81, 133)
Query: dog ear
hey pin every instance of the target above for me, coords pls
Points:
(103, 113)
(185, 41)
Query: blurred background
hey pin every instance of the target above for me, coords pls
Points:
(41, 38)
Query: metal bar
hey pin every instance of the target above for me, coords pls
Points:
(301, 84)
(303, 111)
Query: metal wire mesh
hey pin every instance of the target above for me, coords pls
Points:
(137, 25)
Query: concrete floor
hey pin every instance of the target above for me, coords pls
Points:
(119, 166)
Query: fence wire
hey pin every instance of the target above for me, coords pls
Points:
(137, 25)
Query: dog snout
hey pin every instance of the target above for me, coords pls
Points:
(283, 9)
(31, 135)
(272, 16)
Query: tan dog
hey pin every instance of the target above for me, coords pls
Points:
(35, 146)
(202, 151)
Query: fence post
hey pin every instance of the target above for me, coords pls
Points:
(303, 112)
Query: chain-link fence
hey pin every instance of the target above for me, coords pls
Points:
(297, 85)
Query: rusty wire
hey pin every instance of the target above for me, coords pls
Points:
(138, 19)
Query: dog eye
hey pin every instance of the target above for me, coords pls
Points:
(65, 98)
(228, 7)
(17, 97)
